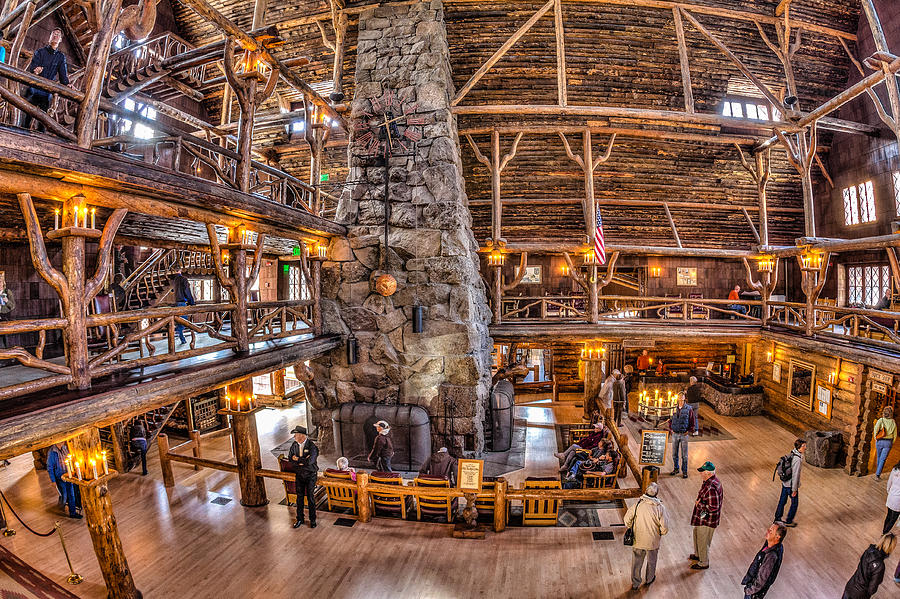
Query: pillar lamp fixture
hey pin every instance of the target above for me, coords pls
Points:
(590, 257)
(810, 260)
(592, 352)
(655, 271)
(496, 258)
(765, 264)
(418, 319)
(317, 251)
(352, 349)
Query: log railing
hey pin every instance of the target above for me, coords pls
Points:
(875, 327)
(627, 307)
(128, 65)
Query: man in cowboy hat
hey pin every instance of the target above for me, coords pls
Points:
(303, 455)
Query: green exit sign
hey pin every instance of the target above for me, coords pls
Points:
(287, 268)
(323, 177)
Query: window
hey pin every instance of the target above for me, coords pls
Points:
(896, 178)
(867, 284)
(201, 289)
(298, 126)
(296, 289)
(749, 108)
(140, 131)
(859, 204)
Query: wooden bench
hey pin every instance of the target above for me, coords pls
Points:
(541, 512)
(392, 503)
(339, 496)
(435, 506)
(596, 480)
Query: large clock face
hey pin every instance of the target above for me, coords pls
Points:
(389, 127)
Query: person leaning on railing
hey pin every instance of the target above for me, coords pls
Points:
(50, 63)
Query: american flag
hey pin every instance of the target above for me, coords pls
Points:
(599, 245)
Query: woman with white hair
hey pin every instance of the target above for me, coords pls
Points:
(343, 464)
(649, 520)
(382, 448)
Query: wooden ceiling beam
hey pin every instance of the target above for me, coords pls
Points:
(551, 247)
(711, 137)
(637, 203)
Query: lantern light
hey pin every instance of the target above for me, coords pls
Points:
(564, 270)
(811, 261)
(766, 264)
(655, 271)
(496, 258)
(590, 256)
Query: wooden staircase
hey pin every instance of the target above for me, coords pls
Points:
(153, 421)
(150, 283)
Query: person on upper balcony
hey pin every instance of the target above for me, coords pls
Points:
(735, 296)
(50, 63)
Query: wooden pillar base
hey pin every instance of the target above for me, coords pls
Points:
(101, 523)
(246, 448)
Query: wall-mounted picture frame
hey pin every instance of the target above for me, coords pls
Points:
(776, 372)
(686, 276)
(532, 275)
(801, 384)
(823, 400)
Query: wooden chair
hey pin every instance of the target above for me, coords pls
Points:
(577, 434)
(339, 496)
(675, 311)
(392, 503)
(541, 512)
(290, 486)
(698, 311)
(484, 501)
(436, 506)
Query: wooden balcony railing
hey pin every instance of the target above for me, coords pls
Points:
(874, 327)
(626, 307)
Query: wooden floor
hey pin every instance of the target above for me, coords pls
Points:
(179, 544)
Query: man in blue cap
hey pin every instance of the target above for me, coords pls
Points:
(706, 516)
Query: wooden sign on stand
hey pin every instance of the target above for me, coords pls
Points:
(653, 447)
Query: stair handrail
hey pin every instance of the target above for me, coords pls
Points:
(142, 269)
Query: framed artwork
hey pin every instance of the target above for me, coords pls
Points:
(532, 274)
(776, 372)
(801, 379)
(823, 400)
(686, 277)
(469, 474)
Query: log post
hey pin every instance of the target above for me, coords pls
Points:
(593, 381)
(246, 446)
(101, 523)
(278, 383)
(95, 69)
(195, 445)
(801, 150)
(500, 504)
(362, 497)
(760, 174)
(119, 444)
(162, 442)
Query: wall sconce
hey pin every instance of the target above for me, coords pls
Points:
(316, 251)
(592, 353)
(766, 264)
(769, 356)
(322, 249)
(224, 256)
(564, 270)
(590, 256)
(655, 271)
(352, 349)
(418, 319)
(811, 261)
(832, 377)
(496, 258)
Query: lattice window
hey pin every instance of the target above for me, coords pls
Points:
(868, 284)
(859, 204)
(751, 109)
(896, 178)
(296, 288)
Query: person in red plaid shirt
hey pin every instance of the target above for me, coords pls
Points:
(706, 515)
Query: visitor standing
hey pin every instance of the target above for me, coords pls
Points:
(680, 425)
(885, 432)
(303, 455)
(50, 63)
(765, 566)
(707, 515)
(56, 460)
(693, 395)
(893, 501)
(382, 448)
(138, 437)
(870, 572)
(619, 397)
(788, 471)
(183, 297)
(649, 520)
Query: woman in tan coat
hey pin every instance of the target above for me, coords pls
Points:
(650, 521)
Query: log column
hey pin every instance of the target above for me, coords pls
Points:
(593, 381)
(246, 448)
(101, 523)
(812, 282)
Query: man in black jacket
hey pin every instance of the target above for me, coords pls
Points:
(303, 455)
(440, 464)
(764, 569)
(183, 297)
(49, 63)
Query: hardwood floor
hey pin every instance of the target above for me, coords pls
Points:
(179, 544)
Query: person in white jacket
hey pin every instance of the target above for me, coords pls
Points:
(650, 521)
(893, 500)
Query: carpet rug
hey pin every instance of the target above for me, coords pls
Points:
(18, 580)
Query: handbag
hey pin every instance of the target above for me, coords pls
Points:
(882, 433)
(628, 540)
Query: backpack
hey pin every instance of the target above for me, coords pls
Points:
(785, 468)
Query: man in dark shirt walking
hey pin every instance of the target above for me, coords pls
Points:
(49, 63)
(764, 569)
(183, 297)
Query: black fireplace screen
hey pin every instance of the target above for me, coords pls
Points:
(354, 433)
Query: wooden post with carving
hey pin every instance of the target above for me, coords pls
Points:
(812, 282)
(101, 523)
(339, 21)
(246, 448)
(760, 175)
(801, 150)
(75, 292)
(765, 287)
(237, 283)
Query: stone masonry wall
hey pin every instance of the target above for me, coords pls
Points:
(445, 369)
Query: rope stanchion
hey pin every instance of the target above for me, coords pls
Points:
(72, 578)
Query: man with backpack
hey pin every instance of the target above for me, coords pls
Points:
(788, 471)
